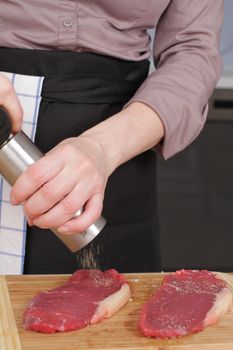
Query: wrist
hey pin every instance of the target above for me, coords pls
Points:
(126, 134)
(100, 139)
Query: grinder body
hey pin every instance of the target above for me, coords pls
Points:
(17, 152)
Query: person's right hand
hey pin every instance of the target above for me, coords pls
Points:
(10, 102)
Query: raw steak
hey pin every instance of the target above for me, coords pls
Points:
(88, 297)
(187, 302)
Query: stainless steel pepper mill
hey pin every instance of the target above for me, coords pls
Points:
(17, 152)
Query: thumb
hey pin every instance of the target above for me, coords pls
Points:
(10, 102)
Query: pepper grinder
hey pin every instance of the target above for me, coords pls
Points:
(17, 152)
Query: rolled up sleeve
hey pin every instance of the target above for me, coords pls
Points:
(188, 66)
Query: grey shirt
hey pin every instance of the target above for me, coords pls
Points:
(185, 48)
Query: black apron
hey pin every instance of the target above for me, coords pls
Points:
(79, 91)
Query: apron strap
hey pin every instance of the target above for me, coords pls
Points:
(54, 63)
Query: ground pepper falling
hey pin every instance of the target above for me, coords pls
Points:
(88, 257)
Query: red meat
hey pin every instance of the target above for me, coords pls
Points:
(87, 298)
(187, 301)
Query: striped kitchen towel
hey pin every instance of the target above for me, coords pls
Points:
(12, 221)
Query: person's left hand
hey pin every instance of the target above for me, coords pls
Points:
(72, 175)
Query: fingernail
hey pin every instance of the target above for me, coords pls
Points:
(63, 229)
(30, 222)
(13, 200)
(35, 222)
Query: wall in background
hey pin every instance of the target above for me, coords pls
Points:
(226, 44)
(196, 185)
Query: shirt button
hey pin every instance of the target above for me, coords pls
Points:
(68, 22)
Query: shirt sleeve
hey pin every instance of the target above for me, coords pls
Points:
(188, 66)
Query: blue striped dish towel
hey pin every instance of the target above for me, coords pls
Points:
(12, 220)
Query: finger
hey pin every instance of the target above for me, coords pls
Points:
(64, 210)
(29, 221)
(10, 102)
(92, 212)
(34, 177)
(15, 112)
(50, 194)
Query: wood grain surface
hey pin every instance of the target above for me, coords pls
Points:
(119, 332)
(9, 336)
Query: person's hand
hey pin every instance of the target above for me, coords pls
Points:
(72, 175)
(10, 102)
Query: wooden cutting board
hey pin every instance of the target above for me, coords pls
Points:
(118, 333)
